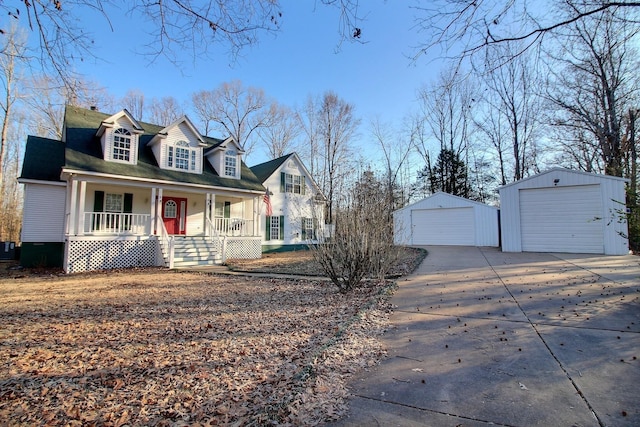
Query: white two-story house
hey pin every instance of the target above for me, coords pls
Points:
(297, 205)
(115, 192)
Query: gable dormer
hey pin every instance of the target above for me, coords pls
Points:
(119, 136)
(226, 159)
(179, 146)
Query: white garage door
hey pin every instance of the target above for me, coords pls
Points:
(446, 226)
(562, 219)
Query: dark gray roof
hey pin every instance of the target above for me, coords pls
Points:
(83, 152)
(43, 159)
(265, 170)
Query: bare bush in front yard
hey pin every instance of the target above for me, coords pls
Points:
(362, 241)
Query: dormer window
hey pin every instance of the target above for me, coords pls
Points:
(231, 162)
(181, 155)
(119, 136)
(122, 145)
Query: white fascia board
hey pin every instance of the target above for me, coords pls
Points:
(559, 169)
(39, 181)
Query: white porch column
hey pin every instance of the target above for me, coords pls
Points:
(73, 207)
(83, 195)
(158, 210)
(152, 212)
(256, 216)
(207, 214)
(212, 209)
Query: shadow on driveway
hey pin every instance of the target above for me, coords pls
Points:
(481, 337)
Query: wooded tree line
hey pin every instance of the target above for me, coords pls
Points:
(559, 88)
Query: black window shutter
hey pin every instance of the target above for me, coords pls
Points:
(282, 182)
(304, 185)
(281, 227)
(98, 206)
(98, 201)
(128, 203)
(267, 234)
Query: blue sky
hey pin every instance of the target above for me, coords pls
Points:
(376, 76)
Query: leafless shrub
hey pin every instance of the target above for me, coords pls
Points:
(362, 241)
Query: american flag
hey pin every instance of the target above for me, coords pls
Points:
(267, 201)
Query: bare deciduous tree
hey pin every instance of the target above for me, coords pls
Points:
(468, 27)
(513, 110)
(47, 109)
(308, 118)
(13, 49)
(280, 136)
(396, 151)
(11, 64)
(173, 26)
(447, 107)
(235, 110)
(337, 125)
(133, 101)
(593, 86)
(165, 111)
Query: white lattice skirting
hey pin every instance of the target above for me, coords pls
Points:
(245, 248)
(85, 254)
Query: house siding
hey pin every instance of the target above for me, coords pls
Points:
(43, 201)
(613, 202)
(292, 206)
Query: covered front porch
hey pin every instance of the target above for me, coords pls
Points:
(114, 215)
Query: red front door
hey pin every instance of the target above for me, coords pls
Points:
(174, 214)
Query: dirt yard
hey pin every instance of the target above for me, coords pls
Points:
(156, 347)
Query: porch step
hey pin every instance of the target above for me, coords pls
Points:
(194, 251)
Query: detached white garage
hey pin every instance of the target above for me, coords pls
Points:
(444, 219)
(565, 211)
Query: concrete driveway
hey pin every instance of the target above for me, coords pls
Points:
(482, 337)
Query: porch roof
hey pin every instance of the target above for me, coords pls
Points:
(82, 152)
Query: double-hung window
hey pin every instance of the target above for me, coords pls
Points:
(292, 183)
(275, 227)
(308, 232)
(182, 156)
(121, 145)
(230, 162)
(113, 202)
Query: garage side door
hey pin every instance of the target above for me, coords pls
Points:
(446, 226)
(562, 219)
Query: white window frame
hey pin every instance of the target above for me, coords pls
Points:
(231, 163)
(308, 227)
(274, 227)
(182, 156)
(113, 202)
(121, 150)
(293, 183)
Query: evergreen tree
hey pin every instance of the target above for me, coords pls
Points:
(449, 174)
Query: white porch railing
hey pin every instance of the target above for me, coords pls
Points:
(233, 226)
(220, 241)
(166, 241)
(117, 223)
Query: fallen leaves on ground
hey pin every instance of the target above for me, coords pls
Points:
(301, 262)
(155, 347)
